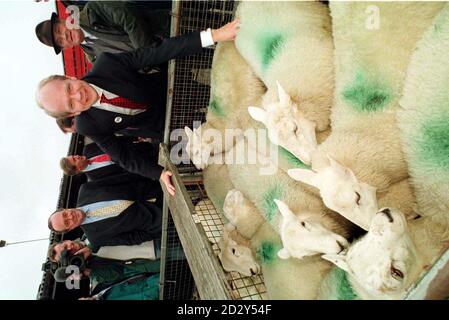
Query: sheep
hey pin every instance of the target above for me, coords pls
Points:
(301, 235)
(286, 126)
(424, 117)
(235, 253)
(233, 86)
(263, 189)
(365, 141)
(291, 42)
(387, 261)
(284, 279)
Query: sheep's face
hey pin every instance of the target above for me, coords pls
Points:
(381, 261)
(286, 127)
(342, 192)
(236, 257)
(303, 236)
(200, 146)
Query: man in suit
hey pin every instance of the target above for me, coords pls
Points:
(97, 165)
(117, 214)
(114, 96)
(106, 26)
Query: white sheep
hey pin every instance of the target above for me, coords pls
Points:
(234, 86)
(364, 142)
(387, 261)
(284, 278)
(291, 42)
(262, 189)
(424, 118)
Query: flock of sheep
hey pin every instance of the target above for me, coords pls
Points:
(354, 99)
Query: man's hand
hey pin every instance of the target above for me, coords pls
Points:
(226, 33)
(165, 178)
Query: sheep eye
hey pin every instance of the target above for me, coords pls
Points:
(396, 273)
(233, 251)
(358, 198)
(303, 224)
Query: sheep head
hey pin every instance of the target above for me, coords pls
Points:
(381, 262)
(203, 142)
(286, 126)
(304, 236)
(236, 256)
(342, 192)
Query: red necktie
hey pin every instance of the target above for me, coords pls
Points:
(100, 158)
(122, 102)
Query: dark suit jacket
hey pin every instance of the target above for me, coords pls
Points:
(140, 222)
(115, 172)
(121, 26)
(118, 74)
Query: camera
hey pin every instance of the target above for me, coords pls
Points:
(66, 260)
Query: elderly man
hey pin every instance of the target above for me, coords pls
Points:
(115, 214)
(106, 26)
(114, 96)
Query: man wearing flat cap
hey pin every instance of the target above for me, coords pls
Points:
(106, 26)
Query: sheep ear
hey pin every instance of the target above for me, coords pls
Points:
(228, 227)
(340, 169)
(188, 132)
(305, 176)
(284, 98)
(338, 259)
(283, 208)
(283, 254)
(258, 114)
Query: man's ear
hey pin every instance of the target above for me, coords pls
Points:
(305, 175)
(258, 114)
(338, 259)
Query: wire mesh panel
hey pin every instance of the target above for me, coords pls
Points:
(243, 288)
(178, 283)
(191, 88)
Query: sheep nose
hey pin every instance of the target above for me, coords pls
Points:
(253, 273)
(342, 247)
(387, 213)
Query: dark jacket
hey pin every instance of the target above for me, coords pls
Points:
(120, 26)
(111, 270)
(111, 173)
(118, 74)
(138, 223)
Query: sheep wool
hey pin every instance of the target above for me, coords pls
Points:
(291, 42)
(424, 118)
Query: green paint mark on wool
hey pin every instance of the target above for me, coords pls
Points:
(366, 95)
(269, 47)
(269, 206)
(216, 108)
(435, 142)
(344, 288)
(267, 252)
(292, 159)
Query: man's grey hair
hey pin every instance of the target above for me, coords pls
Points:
(41, 84)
